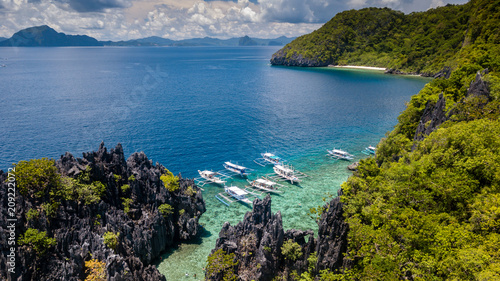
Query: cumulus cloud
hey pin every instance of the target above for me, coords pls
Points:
(320, 11)
(131, 19)
(97, 5)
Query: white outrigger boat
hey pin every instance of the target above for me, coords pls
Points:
(210, 177)
(340, 154)
(264, 184)
(268, 158)
(237, 169)
(287, 173)
(370, 150)
(233, 192)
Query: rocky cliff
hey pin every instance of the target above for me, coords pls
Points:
(129, 207)
(287, 57)
(262, 250)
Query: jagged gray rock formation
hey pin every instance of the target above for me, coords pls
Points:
(332, 237)
(78, 228)
(258, 239)
(433, 116)
(435, 113)
(478, 87)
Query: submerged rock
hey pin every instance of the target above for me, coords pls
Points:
(78, 228)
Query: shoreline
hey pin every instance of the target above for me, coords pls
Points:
(359, 67)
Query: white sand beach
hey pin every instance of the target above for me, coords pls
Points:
(359, 67)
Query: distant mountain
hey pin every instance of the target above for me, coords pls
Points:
(247, 41)
(44, 36)
(206, 41)
(149, 41)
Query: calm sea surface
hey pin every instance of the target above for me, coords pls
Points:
(194, 108)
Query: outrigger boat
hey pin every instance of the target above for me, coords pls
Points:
(369, 150)
(286, 172)
(234, 192)
(340, 154)
(212, 177)
(265, 184)
(268, 158)
(237, 169)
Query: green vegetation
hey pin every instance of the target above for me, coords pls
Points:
(126, 204)
(111, 239)
(181, 212)
(432, 214)
(38, 240)
(422, 42)
(131, 178)
(429, 209)
(125, 188)
(32, 214)
(83, 189)
(50, 209)
(166, 210)
(189, 191)
(36, 177)
(170, 181)
(95, 270)
(291, 250)
(221, 266)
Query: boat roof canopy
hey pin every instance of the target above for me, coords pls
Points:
(237, 191)
(284, 169)
(339, 151)
(266, 182)
(235, 166)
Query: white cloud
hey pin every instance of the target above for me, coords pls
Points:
(130, 19)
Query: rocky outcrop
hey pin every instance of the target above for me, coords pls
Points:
(353, 166)
(257, 241)
(433, 116)
(144, 233)
(332, 237)
(443, 73)
(257, 244)
(478, 87)
(281, 57)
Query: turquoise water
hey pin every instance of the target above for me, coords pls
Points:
(194, 108)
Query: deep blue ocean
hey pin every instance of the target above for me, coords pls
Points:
(192, 108)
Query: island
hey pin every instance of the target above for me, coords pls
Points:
(98, 217)
(425, 207)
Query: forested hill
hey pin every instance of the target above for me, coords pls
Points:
(421, 42)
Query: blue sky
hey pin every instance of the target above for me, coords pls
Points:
(174, 19)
